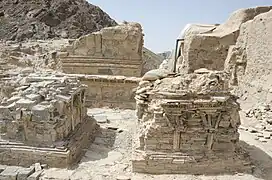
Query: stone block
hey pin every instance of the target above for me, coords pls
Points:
(23, 173)
(40, 113)
(25, 103)
(13, 99)
(35, 176)
(101, 118)
(2, 168)
(10, 173)
(34, 97)
(37, 167)
(63, 98)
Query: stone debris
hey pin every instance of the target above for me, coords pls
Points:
(101, 118)
(35, 176)
(156, 74)
(188, 119)
(19, 173)
(2, 168)
(24, 173)
(10, 173)
(263, 115)
(38, 167)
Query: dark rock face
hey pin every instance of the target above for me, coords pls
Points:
(43, 19)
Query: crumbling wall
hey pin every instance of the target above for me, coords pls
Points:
(44, 120)
(188, 124)
(250, 61)
(209, 49)
(111, 51)
(43, 110)
(110, 91)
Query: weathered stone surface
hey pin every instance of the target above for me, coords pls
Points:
(250, 66)
(2, 168)
(23, 173)
(48, 119)
(35, 176)
(155, 74)
(110, 91)
(111, 51)
(188, 124)
(209, 49)
(10, 173)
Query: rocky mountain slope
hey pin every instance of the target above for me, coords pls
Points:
(165, 54)
(44, 19)
(151, 60)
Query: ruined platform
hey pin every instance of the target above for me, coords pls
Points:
(188, 124)
(43, 119)
(112, 51)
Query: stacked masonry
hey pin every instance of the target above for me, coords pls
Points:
(42, 118)
(21, 173)
(188, 124)
(111, 51)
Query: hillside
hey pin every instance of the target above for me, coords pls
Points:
(43, 19)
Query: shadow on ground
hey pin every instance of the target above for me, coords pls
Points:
(101, 146)
(262, 162)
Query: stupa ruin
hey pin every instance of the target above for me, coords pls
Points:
(112, 51)
(43, 119)
(188, 124)
(109, 59)
(187, 119)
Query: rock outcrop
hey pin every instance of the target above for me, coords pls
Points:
(150, 60)
(44, 19)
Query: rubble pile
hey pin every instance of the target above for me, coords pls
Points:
(22, 173)
(39, 100)
(263, 130)
(188, 124)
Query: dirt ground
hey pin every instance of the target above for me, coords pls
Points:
(108, 158)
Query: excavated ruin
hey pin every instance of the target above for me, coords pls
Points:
(188, 124)
(188, 115)
(111, 51)
(43, 119)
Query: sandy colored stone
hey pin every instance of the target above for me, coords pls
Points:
(209, 48)
(111, 51)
